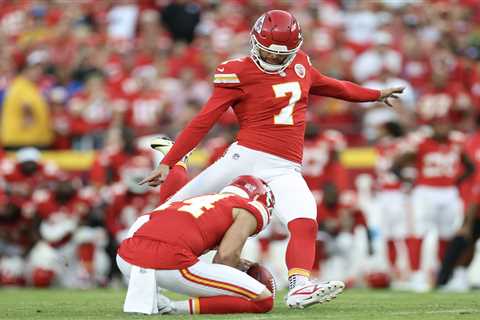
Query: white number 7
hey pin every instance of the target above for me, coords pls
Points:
(286, 114)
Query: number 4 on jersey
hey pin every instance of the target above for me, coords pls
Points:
(197, 206)
(285, 116)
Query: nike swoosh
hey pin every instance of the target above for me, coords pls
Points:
(221, 69)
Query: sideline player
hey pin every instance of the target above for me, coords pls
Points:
(391, 198)
(438, 158)
(268, 92)
(453, 274)
(163, 247)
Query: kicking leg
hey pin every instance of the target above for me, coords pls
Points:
(295, 206)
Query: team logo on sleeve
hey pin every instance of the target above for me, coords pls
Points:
(300, 70)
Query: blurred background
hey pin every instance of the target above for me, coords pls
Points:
(85, 84)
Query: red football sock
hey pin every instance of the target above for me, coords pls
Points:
(442, 248)
(301, 246)
(414, 246)
(176, 179)
(227, 304)
(392, 253)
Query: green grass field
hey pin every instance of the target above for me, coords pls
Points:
(353, 304)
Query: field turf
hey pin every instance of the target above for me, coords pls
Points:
(352, 304)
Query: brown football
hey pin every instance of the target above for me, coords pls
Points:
(264, 276)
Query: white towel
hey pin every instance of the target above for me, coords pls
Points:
(142, 291)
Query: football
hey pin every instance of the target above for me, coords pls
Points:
(264, 276)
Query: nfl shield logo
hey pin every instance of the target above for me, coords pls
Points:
(300, 70)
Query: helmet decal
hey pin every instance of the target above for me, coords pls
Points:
(259, 24)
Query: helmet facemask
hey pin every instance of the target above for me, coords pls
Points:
(280, 50)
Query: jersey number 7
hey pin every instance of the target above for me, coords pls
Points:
(285, 117)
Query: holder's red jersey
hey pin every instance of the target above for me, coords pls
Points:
(177, 233)
(438, 163)
(270, 108)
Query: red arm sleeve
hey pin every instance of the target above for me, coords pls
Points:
(221, 99)
(345, 90)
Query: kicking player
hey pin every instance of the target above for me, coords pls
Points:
(268, 91)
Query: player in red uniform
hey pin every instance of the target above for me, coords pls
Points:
(268, 92)
(28, 173)
(438, 158)
(69, 253)
(453, 275)
(162, 249)
(390, 198)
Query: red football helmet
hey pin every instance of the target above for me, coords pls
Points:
(252, 188)
(276, 32)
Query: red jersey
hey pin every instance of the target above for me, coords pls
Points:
(449, 102)
(387, 149)
(177, 233)
(437, 163)
(23, 185)
(270, 108)
(145, 112)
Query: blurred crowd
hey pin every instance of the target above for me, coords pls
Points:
(102, 75)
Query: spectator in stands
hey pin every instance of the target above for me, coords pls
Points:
(181, 17)
(371, 63)
(25, 117)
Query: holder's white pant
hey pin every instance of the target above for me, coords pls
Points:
(203, 280)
